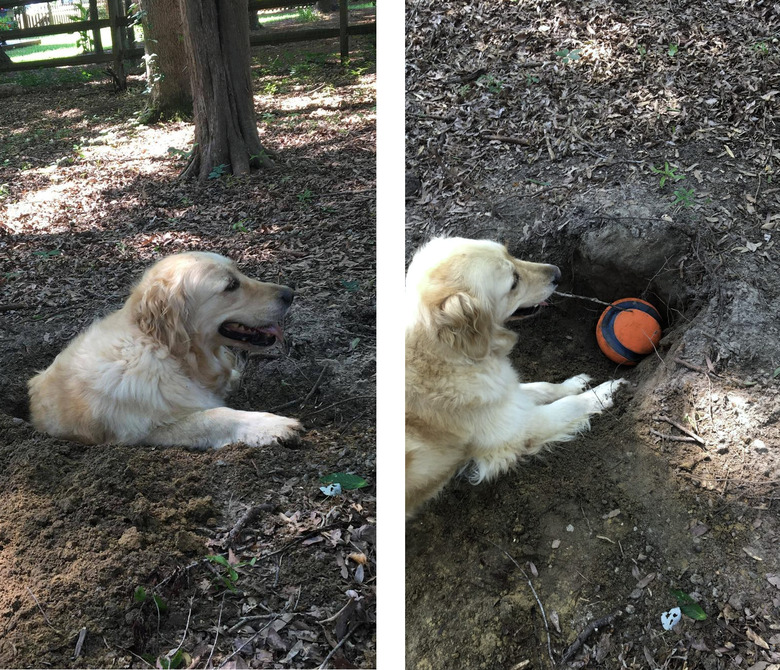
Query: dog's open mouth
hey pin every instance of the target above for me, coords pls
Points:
(525, 312)
(263, 336)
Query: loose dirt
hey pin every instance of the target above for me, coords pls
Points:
(127, 546)
(562, 160)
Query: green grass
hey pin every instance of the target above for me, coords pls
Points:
(55, 46)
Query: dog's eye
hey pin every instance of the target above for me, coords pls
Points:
(233, 284)
(515, 281)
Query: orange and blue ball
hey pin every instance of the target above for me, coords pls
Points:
(628, 330)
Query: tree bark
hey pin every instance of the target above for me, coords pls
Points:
(166, 61)
(217, 37)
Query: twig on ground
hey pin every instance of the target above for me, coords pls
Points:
(80, 643)
(695, 368)
(15, 306)
(336, 615)
(51, 625)
(585, 634)
(538, 602)
(338, 646)
(186, 630)
(681, 428)
(246, 619)
(308, 395)
(340, 402)
(216, 637)
(245, 518)
(673, 438)
(251, 639)
(510, 140)
(584, 297)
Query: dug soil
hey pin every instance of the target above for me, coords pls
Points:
(114, 556)
(637, 149)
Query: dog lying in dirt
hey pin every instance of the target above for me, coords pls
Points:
(155, 372)
(465, 404)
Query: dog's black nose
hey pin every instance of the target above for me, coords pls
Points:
(286, 295)
(556, 276)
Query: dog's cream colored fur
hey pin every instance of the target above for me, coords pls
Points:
(464, 401)
(155, 372)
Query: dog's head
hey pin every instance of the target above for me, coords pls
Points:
(466, 290)
(201, 299)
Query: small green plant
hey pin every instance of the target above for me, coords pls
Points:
(230, 576)
(761, 48)
(688, 606)
(141, 596)
(84, 42)
(240, 226)
(569, 56)
(642, 49)
(305, 196)
(5, 191)
(463, 90)
(673, 49)
(667, 174)
(47, 254)
(218, 171)
(181, 153)
(270, 88)
(490, 83)
(531, 79)
(683, 196)
(7, 22)
(307, 14)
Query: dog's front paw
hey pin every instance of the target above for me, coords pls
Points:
(576, 385)
(260, 429)
(603, 394)
(288, 431)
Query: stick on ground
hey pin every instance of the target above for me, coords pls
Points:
(585, 634)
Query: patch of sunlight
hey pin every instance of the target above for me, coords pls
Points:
(31, 202)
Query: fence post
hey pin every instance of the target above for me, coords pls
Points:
(93, 16)
(343, 37)
(117, 44)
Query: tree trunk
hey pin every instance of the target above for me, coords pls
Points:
(217, 36)
(166, 61)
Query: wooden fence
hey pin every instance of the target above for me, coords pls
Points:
(124, 46)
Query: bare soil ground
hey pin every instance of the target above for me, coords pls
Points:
(550, 126)
(113, 541)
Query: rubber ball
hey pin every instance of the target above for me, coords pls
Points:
(628, 330)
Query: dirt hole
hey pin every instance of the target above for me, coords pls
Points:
(620, 259)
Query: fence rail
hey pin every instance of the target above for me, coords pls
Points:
(123, 48)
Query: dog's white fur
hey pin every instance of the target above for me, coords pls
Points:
(155, 372)
(464, 401)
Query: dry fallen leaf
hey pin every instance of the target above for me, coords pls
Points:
(756, 639)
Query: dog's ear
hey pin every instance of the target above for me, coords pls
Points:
(466, 326)
(161, 313)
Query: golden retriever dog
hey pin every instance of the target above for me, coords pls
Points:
(465, 404)
(155, 372)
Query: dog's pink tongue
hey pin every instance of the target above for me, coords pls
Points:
(275, 330)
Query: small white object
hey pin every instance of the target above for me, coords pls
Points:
(569, 528)
(331, 489)
(671, 618)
